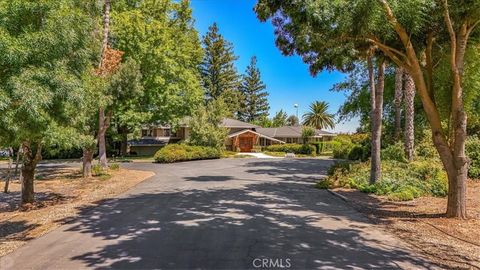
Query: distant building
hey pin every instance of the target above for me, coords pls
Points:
(242, 137)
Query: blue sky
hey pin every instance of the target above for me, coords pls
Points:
(287, 78)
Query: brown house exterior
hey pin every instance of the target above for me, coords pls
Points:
(242, 137)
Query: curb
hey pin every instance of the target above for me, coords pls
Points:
(343, 198)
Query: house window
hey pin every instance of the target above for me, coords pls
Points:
(166, 132)
(262, 141)
(144, 132)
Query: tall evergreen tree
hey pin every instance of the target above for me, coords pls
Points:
(255, 105)
(219, 75)
(279, 119)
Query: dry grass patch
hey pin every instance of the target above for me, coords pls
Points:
(59, 193)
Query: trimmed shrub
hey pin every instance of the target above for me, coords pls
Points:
(472, 148)
(304, 149)
(342, 149)
(318, 147)
(182, 152)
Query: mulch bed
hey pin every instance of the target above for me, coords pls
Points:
(422, 224)
(59, 195)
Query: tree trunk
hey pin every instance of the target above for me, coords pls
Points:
(452, 154)
(376, 118)
(457, 178)
(398, 102)
(409, 116)
(102, 119)
(124, 142)
(31, 156)
(103, 124)
(87, 163)
(9, 170)
(19, 152)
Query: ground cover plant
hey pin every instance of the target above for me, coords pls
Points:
(400, 182)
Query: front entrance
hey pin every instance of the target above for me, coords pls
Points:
(245, 144)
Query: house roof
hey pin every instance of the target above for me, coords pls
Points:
(290, 132)
(251, 131)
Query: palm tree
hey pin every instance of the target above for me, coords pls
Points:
(409, 115)
(318, 116)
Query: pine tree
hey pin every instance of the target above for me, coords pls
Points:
(219, 75)
(255, 105)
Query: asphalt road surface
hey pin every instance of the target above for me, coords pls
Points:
(220, 214)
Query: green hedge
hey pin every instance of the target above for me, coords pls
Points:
(323, 147)
(304, 149)
(182, 152)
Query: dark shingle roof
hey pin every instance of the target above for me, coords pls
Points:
(147, 142)
(289, 132)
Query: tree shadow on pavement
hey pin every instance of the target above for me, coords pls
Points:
(229, 228)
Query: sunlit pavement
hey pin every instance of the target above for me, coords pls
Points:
(220, 214)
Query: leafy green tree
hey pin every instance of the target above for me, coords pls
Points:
(357, 103)
(160, 36)
(205, 125)
(324, 48)
(279, 119)
(127, 92)
(318, 116)
(292, 120)
(46, 47)
(411, 34)
(255, 103)
(219, 75)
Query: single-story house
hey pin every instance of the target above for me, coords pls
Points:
(293, 134)
(242, 137)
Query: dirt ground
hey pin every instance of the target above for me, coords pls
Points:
(59, 193)
(422, 223)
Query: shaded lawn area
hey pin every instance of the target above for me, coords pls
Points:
(59, 191)
(422, 223)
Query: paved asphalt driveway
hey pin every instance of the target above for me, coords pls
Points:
(220, 214)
